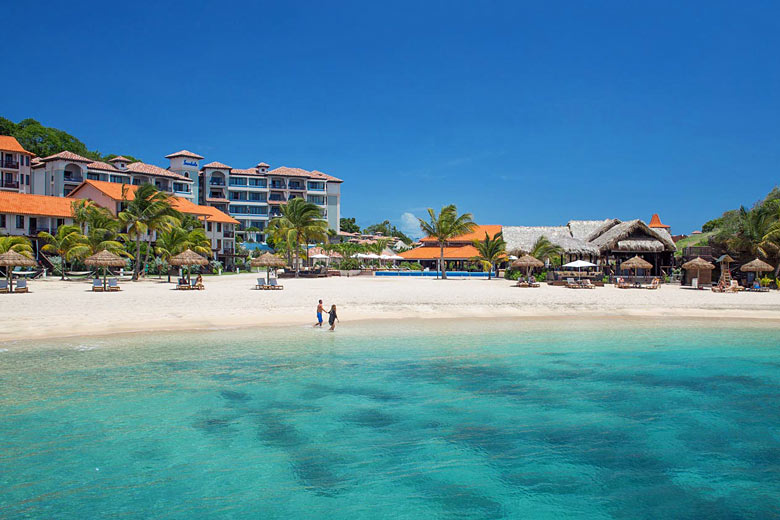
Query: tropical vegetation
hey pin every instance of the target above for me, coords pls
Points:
(445, 226)
(299, 223)
(490, 251)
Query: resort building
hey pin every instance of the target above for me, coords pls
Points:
(220, 227)
(607, 242)
(458, 250)
(61, 173)
(15, 164)
(22, 214)
(253, 196)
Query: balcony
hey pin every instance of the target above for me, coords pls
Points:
(14, 185)
(228, 234)
(73, 177)
(277, 185)
(13, 165)
(296, 187)
(216, 182)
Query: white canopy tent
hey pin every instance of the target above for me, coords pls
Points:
(579, 264)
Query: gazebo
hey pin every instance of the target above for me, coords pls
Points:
(105, 259)
(269, 261)
(634, 264)
(697, 264)
(11, 259)
(188, 258)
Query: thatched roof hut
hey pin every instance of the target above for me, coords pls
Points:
(725, 259)
(12, 259)
(105, 259)
(188, 257)
(756, 266)
(268, 260)
(636, 263)
(587, 230)
(523, 238)
(634, 236)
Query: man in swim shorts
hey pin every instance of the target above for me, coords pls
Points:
(320, 310)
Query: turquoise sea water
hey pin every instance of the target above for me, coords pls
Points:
(525, 419)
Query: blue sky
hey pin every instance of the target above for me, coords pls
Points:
(521, 113)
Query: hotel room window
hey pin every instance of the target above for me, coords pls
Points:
(19, 221)
(2, 221)
(219, 227)
(208, 226)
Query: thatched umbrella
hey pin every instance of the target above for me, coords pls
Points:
(11, 259)
(756, 266)
(527, 261)
(635, 263)
(188, 258)
(105, 259)
(698, 263)
(268, 261)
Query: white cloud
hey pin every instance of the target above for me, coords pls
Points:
(410, 225)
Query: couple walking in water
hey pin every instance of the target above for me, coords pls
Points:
(332, 318)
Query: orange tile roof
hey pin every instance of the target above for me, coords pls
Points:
(432, 253)
(319, 175)
(115, 191)
(215, 215)
(247, 171)
(120, 158)
(67, 156)
(477, 234)
(43, 205)
(655, 222)
(8, 143)
(150, 169)
(100, 165)
(183, 153)
(263, 165)
(284, 171)
(216, 164)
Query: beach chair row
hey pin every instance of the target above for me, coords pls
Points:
(112, 285)
(21, 286)
(272, 285)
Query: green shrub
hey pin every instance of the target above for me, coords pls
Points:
(349, 264)
(766, 281)
(414, 266)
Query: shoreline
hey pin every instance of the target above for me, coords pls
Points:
(56, 309)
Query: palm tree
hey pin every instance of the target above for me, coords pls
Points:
(490, 251)
(62, 243)
(300, 222)
(177, 240)
(21, 245)
(149, 209)
(544, 249)
(446, 226)
(81, 210)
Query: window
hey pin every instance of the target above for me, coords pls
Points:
(208, 226)
(93, 176)
(219, 244)
(19, 221)
(316, 199)
(116, 178)
(238, 181)
(27, 161)
(27, 180)
(257, 197)
(2, 221)
(219, 227)
(316, 186)
(60, 222)
(259, 183)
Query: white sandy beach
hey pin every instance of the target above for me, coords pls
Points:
(55, 308)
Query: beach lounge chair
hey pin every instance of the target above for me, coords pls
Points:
(197, 286)
(735, 287)
(21, 286)
(113, 284)
(622, 284)
(654, 284)
(275, 285)
(97, 285)
(183, 284)
(587, 284)
(4, 286)
(522, 283)
(260, 283)
(572, 284)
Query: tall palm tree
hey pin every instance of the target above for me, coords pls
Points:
(444, 227)
(63, 244)
(177, 240)
(149, 209)
(300, 222)
(543, 249)
(490, 251)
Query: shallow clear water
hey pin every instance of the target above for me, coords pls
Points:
(529, 419)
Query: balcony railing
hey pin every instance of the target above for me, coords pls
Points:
(277, 186)
(296, 187)
(10, 184)
(11, 164)
(215, 182)
(228, 234)
(73, 178)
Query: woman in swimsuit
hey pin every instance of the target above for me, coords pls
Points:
(333, 318)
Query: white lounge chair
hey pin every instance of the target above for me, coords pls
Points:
(21, 286)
